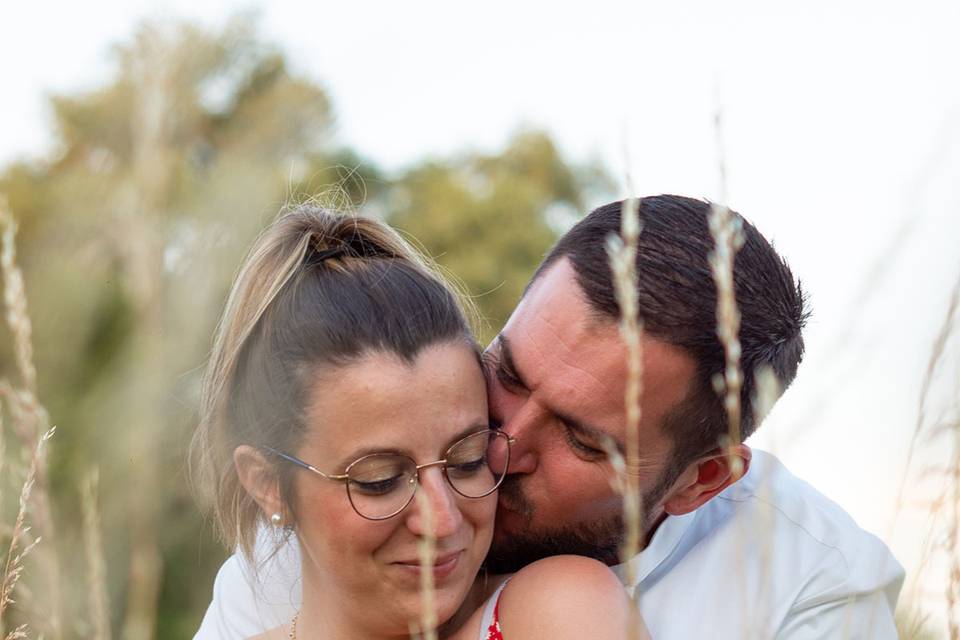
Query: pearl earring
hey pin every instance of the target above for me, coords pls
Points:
(276, 519)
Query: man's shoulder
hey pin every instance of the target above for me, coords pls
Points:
(770, 553)
(770, 489)
(805, 529)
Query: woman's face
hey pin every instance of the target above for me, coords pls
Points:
(378, 404)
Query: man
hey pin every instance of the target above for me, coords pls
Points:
(762, 556)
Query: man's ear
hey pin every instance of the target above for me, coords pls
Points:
(707, 477)
(259, 478)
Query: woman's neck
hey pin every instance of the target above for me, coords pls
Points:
(326, 609)
(325, 613)
(475, 598)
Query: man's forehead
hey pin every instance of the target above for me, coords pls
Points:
(559, 280)
(555, 303)
(579, 358)
(554, 315)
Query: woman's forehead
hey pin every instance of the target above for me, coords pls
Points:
(382, 402)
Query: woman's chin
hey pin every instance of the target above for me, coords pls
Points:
(447, 599)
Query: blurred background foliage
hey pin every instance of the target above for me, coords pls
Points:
(129, 234)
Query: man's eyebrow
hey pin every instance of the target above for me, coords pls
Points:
(595, 434)
(506, 361)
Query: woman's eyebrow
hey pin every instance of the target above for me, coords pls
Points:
(474, 427)
(353, 456)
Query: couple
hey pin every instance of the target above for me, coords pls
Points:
(344, 379)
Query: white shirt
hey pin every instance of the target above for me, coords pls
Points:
(770, 557)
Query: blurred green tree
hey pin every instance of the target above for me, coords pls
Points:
(489, 218)
(130, 234)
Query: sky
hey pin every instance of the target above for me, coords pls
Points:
(839, 132)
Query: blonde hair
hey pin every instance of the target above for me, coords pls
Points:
(316, 288)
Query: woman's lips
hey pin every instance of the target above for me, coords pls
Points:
(443, 565)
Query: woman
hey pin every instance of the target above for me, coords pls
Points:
(344, 379)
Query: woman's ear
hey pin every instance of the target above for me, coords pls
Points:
(259, 478)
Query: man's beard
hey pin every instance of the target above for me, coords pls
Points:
(600, 539)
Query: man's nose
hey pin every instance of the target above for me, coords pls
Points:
(521, 426)
(440, 499)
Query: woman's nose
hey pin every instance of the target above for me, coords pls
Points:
(436, 495)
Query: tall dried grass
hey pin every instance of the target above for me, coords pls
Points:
(728, 238)
(427, 550)
(938, 428)
(20, 545)
(31, 426)
(98, 603)
(622, 252)
(153, 72)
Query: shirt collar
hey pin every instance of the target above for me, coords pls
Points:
(665, 540)
(669, 534)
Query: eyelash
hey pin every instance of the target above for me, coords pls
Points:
(510, 382)
(506, 379)
(495, 367)
(579, 446)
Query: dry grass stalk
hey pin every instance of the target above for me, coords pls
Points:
(953, 551)
(619, 483)
(96, 567)
(427, 549)
(15, 300)
(17, 553)
(153, 67)
(767, 391)
(31, 422)
(3, 447)
(728, 238)
(726, 231)
(933, 365)
(622, 252)
(29, 417)
(942, 539)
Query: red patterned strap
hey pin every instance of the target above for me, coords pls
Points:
(493, 631)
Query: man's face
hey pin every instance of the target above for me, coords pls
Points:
(556, 381)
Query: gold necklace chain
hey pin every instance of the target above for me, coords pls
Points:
(293, 626)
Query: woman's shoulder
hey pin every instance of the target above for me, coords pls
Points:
(573, 571)
(565, 597)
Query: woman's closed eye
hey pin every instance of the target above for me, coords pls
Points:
(378, 487)
(467, 468)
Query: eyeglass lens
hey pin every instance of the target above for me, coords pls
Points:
(382, 484)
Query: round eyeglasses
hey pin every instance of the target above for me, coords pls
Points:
(381, 485)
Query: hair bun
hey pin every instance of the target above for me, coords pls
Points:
(359, 240)
(317, 256)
